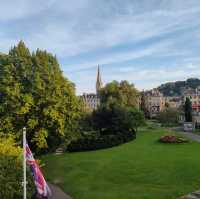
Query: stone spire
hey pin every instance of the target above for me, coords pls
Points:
(99, 83)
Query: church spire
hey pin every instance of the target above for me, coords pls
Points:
(99, 83)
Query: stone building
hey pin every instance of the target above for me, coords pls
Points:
(91, 100)
(174, 102)
(155, 102)
(194, 96)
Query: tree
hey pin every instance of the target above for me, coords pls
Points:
(167, 105)
(168, 116)
(117, 119)
(136, 117)
(188, 110)
(176, 88)
(120, 93)
(143, 107)
(34, 93)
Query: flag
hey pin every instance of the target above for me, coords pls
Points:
(40, 183)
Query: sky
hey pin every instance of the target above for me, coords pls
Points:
(147, 42)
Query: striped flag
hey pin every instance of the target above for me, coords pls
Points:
(40, 183)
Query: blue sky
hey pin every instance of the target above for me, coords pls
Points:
(147, 42)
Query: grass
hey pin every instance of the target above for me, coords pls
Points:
(141, 169)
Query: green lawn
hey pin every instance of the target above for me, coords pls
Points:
(141, 169)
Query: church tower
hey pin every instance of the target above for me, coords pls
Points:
(99, 83)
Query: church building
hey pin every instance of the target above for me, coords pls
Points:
(92, 100)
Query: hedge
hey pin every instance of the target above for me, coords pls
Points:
(87, 143)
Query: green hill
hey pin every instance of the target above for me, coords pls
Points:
(176, 88)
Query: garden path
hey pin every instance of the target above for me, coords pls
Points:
(57, 193)
(189, 135)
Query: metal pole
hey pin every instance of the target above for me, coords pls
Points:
(24, 160)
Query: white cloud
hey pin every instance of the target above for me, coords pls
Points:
(143, 79)
(148, 78)
(77, 28)
(17, 9)
(70, 28)
(163, 48)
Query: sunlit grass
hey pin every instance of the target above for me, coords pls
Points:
(141, 169)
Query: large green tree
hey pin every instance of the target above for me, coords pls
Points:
(117, 119)
(188, 110)
(34, 93)
(143, 106)
(121, 93)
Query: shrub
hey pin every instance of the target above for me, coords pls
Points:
(172, 139)
(110, 126)
(116, 118)
(168, 117)
(11, 173)
(87, 143)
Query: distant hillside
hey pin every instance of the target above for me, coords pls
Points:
(176, 88)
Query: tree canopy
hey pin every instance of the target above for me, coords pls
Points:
(176, 88)
(188, 110)
(121, 93)
(34, 93)
(143, 107)
(117, 119)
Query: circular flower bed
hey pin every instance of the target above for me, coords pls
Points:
(172, 139)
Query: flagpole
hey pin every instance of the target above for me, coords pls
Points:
(24, 160)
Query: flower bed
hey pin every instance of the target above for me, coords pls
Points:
(172, 139)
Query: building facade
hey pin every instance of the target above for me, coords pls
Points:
(194, 96)
(173, 102)
(155, 102)
(91, 101)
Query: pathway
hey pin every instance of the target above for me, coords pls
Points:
(189, 135)
(57, 193)
(193, 195)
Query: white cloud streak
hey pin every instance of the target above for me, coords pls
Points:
(71, 29)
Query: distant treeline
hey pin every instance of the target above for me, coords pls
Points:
(176, 88)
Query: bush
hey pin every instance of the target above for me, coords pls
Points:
(87, 143)
(116, 119)
(168, 117)
(110, 126)
(11, 172)
(172, 139)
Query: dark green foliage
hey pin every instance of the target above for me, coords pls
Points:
(100, 142)
(169, 116)
(117, 119)
(143, 107)
(175, 88)
(188, 110)
(34, 93)
(113, 125)
(120, 93)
